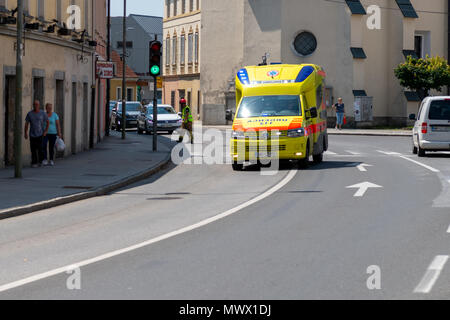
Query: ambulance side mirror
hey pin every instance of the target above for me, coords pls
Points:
(313, 112)
(308, 114)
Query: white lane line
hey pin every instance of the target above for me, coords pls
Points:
(331, 153)
(448, 230)
(353, 152)
(432, 274)
(362, 167)
(166, 236)
(389, 153)
(421, 164)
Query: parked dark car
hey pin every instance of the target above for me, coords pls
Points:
(134, 109)
(168, 119)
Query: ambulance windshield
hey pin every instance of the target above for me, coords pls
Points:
(270, 106)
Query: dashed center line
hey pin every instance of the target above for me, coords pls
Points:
(432, 274)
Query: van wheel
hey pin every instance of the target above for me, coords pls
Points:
(139, 130)
(414, 150)
(421, 152)
(238, 166)
(318, 158)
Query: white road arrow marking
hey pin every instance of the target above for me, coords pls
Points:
(363, 187)
(390, 153)
(362, 167)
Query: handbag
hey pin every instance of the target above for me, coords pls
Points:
(60, 145)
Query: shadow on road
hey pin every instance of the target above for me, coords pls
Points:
(334, 165)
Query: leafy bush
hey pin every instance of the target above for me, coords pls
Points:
(423, 75)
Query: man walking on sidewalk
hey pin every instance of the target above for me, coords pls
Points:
(37, 122)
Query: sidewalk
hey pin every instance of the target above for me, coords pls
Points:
(348, 132)
(113, 164)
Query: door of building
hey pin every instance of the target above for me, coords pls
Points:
(10, 105)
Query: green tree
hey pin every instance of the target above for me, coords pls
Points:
(423, 75)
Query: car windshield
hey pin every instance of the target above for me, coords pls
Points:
(131, 106)
(440, 110)
(161, 110)
(270, 106)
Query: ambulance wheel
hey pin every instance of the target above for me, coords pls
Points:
(238, 166)
(318, 158)
(304, 163)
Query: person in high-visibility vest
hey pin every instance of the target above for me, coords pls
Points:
(188, 119)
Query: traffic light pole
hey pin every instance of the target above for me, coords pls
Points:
(155, 115)
(124, 72)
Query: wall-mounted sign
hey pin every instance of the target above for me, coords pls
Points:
(105, 69)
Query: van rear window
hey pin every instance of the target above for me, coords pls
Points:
(270, 106)
(439, 110)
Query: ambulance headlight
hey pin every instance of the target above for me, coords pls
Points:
(296, 133)
(238, 135)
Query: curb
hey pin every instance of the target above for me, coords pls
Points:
(373, 134)
(99, 191)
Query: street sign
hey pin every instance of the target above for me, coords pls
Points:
(159, 82)
(105, 69)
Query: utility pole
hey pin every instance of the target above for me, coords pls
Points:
(18, 107)
(124, 71)
(108, 81)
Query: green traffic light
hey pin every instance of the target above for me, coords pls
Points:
(155, 70)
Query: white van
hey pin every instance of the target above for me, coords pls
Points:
(432, 128)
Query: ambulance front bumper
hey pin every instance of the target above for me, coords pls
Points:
(283, 149)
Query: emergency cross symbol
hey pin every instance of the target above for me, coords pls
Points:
(273, 73)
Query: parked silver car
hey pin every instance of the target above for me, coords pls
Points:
(168, 119)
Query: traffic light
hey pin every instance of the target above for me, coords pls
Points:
(155, 58)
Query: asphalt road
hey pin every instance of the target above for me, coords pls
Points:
(303, 235)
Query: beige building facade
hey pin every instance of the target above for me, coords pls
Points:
(181, 56)
(359, 43)
(58, 68)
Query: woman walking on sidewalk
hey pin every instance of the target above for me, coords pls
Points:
(54, 130)
(340, 113)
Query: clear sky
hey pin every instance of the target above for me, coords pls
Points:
(144, 7)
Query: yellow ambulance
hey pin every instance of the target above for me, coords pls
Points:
(280, 114)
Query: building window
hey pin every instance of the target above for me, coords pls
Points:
(183, 6)
(26, 6)
(2, 5)
(167, 51)
(191, 5)
(175, 9)
(198, 4)
(182, 49)
(174, 50)
(41, 9)
(86, 15)
(172, 98)
(118, 93)
(167, 8)
(418, 46)
(305, 43)
(58, 11)
(190, 47)
(422, 43)
(130, 94)
(196, 47)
